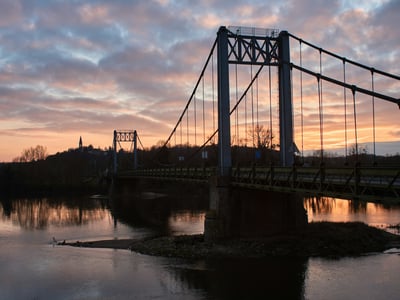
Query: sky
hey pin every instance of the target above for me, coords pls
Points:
(84, 68)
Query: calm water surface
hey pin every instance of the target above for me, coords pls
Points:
(32, 267)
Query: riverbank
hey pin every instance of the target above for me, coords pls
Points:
(324, 239)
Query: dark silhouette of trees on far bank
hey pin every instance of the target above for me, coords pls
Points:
(32, 154)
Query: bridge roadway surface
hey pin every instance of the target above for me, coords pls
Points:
(368, 184)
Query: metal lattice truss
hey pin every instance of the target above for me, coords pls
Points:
(125, 136)
(253, 46)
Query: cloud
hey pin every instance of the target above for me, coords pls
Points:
(67, 67)
(10, 13)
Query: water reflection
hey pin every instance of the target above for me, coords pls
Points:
(274, 278)
(341, 210)
(325, 205)
(319, 205)
(164, 210)
(73, 273)
(171, 214)
(186, 222)
(182, 212)
(40, 213)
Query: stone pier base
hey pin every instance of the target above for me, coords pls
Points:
(238, 212)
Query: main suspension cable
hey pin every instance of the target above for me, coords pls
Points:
(232, 110)
(193, 93)
(140, 142)
(347, 60)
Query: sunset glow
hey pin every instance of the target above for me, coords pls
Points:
(71, 69)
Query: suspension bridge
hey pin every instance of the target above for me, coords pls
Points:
(256, 109)
(230, 124)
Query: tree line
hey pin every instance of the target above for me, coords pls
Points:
(32, 154)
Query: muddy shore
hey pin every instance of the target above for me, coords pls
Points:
(325, 239)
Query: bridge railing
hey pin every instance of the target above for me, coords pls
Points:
(176, 173)
(366, 183)
(372, 184)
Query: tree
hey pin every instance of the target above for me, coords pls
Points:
(31, 154)
(262, 137)
(357, 149)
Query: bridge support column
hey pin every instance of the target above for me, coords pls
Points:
(220, 219)
(285, 102)
(242, 213)
(224, 123)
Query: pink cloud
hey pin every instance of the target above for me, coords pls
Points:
(97, 66)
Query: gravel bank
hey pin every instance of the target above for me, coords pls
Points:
(320, 239)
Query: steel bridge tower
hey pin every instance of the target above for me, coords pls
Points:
(252, 46)
(124, 136)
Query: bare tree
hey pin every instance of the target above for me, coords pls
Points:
(262, 137)
(357, 149)
(31, 154)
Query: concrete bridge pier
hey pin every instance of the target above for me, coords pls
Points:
(243, 213)
(219, 222)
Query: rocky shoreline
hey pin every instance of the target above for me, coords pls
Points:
(323, 239)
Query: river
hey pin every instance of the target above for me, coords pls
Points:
(34, 267)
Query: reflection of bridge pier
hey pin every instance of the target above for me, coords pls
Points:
(269, 278)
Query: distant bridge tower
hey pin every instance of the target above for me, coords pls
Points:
(239, 45)
(124, 136)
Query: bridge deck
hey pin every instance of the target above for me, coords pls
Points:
(369, 184)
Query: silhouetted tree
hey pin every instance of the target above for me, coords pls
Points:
(358, 150)
(32, 154)
(262, 137)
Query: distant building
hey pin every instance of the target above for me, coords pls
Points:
(80, 144)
